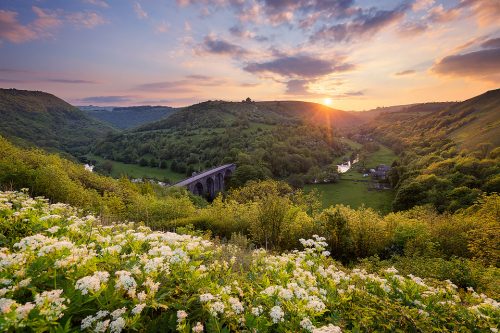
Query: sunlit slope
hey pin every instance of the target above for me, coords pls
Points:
(480, 121)
(468, 123)
(35, 118)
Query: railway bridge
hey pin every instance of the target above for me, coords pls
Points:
(210, 182)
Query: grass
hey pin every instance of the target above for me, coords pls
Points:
(137, 171)
(353, 192)
(382, 156)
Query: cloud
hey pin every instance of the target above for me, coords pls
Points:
(162, 27)
(406, 72)
(240, 32)
(410, 29)
(106, 99)
(141, 13)
(350, 94)
(45, 23)
(493, 43)
(186, 85)
(365, 24)
(483, 64)
(85, 19)
(13, 31)
(301, 66)
(219, 46)
(99, 3)
(422, 4)
(297, 87)
(486, 11)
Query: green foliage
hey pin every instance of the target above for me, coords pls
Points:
(75, 274)
(61, 180)
(265, 139)
(34, 118)
(448, 156)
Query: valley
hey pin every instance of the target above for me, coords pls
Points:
(250, 166)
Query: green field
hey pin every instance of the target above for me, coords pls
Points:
(350, 191)
(137, 171)
(382, 156)
(354, 194)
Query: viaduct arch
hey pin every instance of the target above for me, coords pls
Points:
(208, 183)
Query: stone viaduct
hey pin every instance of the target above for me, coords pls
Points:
(208, 183)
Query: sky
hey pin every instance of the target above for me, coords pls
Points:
(349, 54)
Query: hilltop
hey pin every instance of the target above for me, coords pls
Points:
(128, 117)
(221, 113)
(423, 108)
(35, 118)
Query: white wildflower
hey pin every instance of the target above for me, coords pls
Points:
(257, 311)
(181, 315)
(206, 297)
(307, 324)
(328, 329)
(117, 325)
(198, 328)
(276, 314)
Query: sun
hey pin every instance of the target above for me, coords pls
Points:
(327, 101)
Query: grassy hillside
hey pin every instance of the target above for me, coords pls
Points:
(279, 139)
(424, 108)
(128, 117)
(467, 123)
(449, 157)
(35, 118)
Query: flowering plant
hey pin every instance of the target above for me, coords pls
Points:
(75, 274)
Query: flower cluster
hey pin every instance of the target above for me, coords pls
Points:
(128, 277)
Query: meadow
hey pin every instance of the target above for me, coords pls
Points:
(352, 188)
(120, 169)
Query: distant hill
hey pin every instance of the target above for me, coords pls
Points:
(409, 108)
(222, 114)
(128, 117)
(35, 118)
(281, 138)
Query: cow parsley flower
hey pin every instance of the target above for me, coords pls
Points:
(198, 328)
(307, 324)
(181, 315)
(276, 314)
(328, 329)
(206, 297)
(138, 308)
(236, 305)
(117, 325)
(92, 283)
(50, 304)
(257, 311)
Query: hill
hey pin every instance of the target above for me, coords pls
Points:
(35, 118)
(128, 117)
(372, 114)
(277, 139)
(449, 157)
(467, 123)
